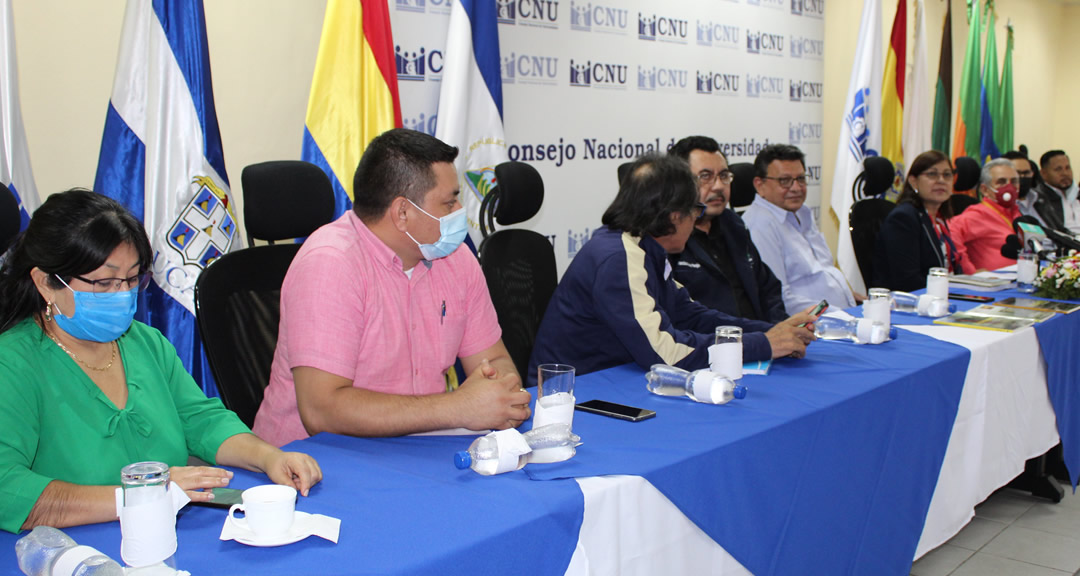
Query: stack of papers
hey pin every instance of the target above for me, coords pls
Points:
(1036, 304)
(1000, 318)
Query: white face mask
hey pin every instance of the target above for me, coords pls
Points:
(452, 230)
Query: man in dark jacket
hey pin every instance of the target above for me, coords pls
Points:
(720, 266)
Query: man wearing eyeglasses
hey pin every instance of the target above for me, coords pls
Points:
(982, 228)
(721, 267)
(786, 235)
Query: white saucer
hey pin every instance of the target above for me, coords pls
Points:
(300, 529)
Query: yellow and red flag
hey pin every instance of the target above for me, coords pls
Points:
(892, 91)
(354, 92)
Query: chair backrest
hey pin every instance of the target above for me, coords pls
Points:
(864, 223)
(960, 202)
(238, 296)
(742, 187)
(10, 220)
(285, 199)
(519, 265)
(237, 304)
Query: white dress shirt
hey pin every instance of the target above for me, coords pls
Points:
(795, 250)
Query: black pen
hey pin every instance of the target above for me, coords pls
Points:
(443, 316)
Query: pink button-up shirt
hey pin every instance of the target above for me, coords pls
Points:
(980, 230)
(347, 308)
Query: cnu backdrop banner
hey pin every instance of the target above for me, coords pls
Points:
(590, 85)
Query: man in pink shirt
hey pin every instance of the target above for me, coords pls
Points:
(379, 304)
(981, 229)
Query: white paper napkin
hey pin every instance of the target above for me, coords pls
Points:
(304, 524)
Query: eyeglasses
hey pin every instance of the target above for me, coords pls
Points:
(699, 210)
(106, 285)
(787, 181)
(706, 177)
(932, 175)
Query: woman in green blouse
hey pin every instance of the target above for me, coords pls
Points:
(84, 391)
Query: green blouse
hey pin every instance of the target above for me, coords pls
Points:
(58, 425)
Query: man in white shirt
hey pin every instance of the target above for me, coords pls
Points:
(784, 231)
(1056, 201)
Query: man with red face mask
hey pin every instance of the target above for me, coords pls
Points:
(982, 228)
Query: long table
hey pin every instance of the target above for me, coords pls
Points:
(828, 466)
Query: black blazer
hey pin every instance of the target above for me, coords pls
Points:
(1049, 205)
(907, 248)
(705, 282)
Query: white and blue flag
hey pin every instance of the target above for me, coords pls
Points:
(470, 100)
(860, 133)
(15, 171)
(161, 157)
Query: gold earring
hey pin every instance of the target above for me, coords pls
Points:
(48, 311)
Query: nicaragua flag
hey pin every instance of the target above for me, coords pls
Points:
(354, 93)
(860, 132)
(470, 100)
(15, 171)
(161, 157)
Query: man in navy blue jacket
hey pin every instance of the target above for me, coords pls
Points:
(720, 266)
(617, 302)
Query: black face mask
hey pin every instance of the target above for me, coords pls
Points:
(1025, 186)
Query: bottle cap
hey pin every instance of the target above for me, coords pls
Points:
(462, 460)
(893, 333)
(739, 392)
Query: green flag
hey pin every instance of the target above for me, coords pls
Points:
(990, 68)
(1003, 119)
(969, 108)
(943, 96)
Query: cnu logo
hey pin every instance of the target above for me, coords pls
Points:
(575, 241)
(654, 27)
(587, 74)
(584, 17)
(415, 66)
(761, 86)
(803, 132)
(811, 8)
(802, 47)
(762, 43)
(802, 91)
(813, 175)
(720, 35)
(651, 78)
(542, 13)
(717, 83)
(530, 69)
(421, 123)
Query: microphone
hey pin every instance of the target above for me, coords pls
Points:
(1012, 247)
(1064, 241)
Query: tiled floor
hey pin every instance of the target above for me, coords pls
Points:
(1012, 533)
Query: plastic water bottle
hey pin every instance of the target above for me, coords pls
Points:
(859, 330)
(923, 305)
(702, 386)
(46, 551)
(483, 454)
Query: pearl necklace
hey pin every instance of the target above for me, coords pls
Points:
(76, 358)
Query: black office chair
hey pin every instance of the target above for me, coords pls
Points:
(10, 219)
(864, 223)
(623, 170)
(238, 296)
(875, 180)
(519, 264)
(742, 187)
(967, 174)
(959, 203)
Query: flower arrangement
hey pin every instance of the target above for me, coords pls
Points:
(1061, 279)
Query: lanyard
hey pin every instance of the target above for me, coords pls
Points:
(1008, 223)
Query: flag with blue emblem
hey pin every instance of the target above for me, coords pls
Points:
(161, 157)
(860, 133)
(15, 170)
(470, 100)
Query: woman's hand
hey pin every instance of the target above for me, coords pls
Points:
(197, 480)
(293, 469)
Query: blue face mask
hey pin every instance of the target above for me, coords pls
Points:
(99, 317)
(452, 230)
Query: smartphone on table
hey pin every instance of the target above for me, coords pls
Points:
(613, 410)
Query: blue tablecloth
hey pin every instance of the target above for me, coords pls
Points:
(827, 466)
(1060, 348)
(404, 508)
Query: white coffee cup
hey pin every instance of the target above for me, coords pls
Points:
(268, 510)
